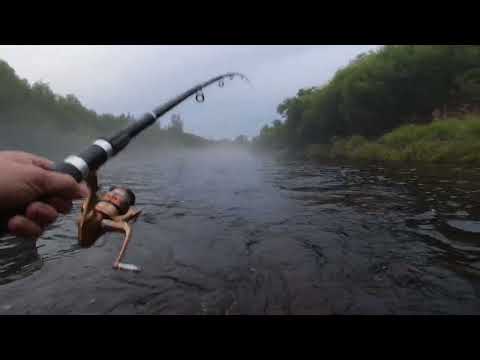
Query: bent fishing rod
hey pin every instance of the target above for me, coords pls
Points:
(93, 157)
(97, 154)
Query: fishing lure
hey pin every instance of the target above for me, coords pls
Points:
(108, 212)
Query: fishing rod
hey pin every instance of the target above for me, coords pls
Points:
(97, 154)
(93, 157)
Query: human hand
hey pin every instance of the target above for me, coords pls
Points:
(27, 182)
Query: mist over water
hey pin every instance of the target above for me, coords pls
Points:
(228, 231)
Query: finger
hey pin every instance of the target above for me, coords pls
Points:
(23, 227)
(41, 213)
(84, 187)
(27, 158)
(57, 184)
(63, 206)
(42, 162)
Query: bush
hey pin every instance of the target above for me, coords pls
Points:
(452, 140)
(317, 151)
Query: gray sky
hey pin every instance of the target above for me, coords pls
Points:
(136, 79)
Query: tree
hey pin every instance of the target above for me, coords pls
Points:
(241, 140)
(378, 91)
(468, 86)
(176, 124)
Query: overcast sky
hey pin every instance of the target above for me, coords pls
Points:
(136, 79)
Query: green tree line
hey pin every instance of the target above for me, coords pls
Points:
(33, 118)
(379, 91)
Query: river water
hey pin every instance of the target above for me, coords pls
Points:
(233, 232)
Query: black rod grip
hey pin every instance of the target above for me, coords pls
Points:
(119, 141)
(94, 156)
(66, 168)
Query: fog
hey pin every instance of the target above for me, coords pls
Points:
(135, 79)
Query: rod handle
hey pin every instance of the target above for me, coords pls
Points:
(68, 169)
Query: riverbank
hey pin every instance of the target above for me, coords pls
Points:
(445, 141)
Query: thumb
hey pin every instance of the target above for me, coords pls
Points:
(54, 183)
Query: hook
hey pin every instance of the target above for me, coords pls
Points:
(200, 97)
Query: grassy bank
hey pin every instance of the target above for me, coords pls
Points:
(450, 140)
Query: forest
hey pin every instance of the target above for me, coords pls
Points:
(389, 88)
(34, 118)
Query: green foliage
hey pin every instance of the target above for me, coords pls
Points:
(274, 136)
(318, 151)
(346, 146)
(452, 140)
(379, 91)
